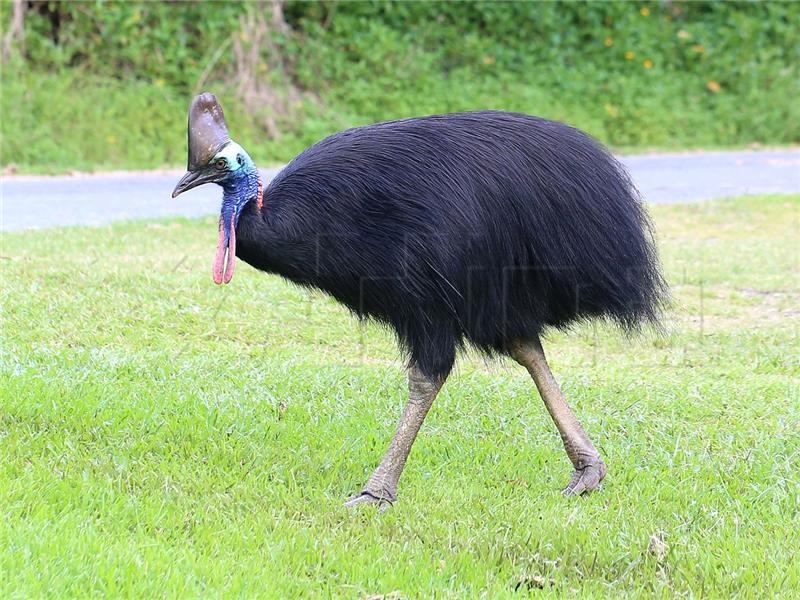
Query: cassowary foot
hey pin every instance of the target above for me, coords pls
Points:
(383, 501)
(586, 478)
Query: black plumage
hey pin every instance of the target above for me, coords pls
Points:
(481, 228)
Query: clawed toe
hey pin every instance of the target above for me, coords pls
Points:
(586, 479)
(365, 497)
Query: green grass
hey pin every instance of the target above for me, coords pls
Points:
(164, 437)
(87, 122)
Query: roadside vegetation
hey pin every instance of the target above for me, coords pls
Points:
(164, 437)
(105, 85)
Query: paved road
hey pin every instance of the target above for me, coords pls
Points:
(97, 200)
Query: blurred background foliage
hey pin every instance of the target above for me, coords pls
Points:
(95, 85)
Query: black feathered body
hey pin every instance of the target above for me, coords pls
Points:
(484, 227)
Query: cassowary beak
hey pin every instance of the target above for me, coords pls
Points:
(195, 178)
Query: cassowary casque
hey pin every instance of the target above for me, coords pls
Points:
(480, 228)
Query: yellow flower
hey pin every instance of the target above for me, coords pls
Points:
(609, 41)
(611, 110)
(648, 64)
(645, 11)
(714, 86)
(629, 55)
(699, 48)
(488, 60)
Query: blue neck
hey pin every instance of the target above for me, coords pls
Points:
(239, 188)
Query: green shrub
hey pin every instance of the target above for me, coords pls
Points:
(106, 84)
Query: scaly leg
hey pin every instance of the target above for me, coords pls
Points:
(589, 467)
(381, 488)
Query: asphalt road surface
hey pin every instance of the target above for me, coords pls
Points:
(40, 202)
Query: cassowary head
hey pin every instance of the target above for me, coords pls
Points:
(215, 158)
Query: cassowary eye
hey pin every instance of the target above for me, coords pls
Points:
(221, 164)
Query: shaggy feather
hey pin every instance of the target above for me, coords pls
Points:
(482, 227)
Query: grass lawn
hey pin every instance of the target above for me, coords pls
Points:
(164, 437)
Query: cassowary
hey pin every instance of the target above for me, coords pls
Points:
(482, 228)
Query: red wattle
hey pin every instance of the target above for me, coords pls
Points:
(219, 257)
(229, 266)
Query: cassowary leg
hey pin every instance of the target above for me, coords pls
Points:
(589, 467)
(381, 488)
